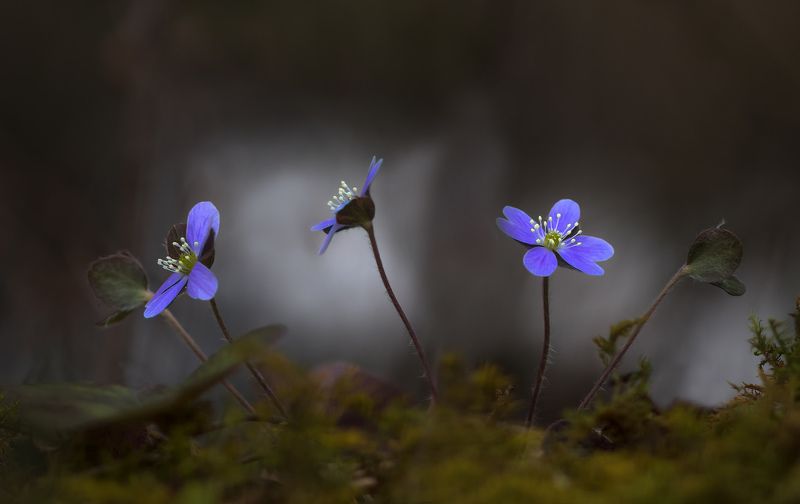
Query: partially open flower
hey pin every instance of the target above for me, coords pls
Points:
(350, 207)
(188, 260)
(560, 234)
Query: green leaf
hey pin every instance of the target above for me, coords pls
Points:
(114, 318)
(714, 256)
(731, 285)
(119, 281)
(50, 409)
(221, 363)
(54, 410)
(267, 335)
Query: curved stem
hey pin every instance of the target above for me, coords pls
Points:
(262, 381)
(382, 271)
(642, 321)
(187, 338)
(537, 385)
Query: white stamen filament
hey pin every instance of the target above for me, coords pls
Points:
(345, 194)
(549, 233)
(186, 258)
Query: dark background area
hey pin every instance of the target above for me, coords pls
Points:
(660, 118)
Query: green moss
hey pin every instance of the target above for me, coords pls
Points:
(353, 438)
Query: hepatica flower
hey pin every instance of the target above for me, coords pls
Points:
(555, 239)
(350, 207)
(193, 254)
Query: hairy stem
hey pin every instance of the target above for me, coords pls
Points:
(260, 379)
(425, 368)
(537, 385)
(642, 321)
(187, 338)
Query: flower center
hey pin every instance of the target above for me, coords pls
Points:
(345, 195)
(548, 235)
(552, 240)
(185, 261)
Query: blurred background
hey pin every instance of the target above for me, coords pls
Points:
(660, 118)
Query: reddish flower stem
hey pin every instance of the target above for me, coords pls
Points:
(537, 385)
(192, 344)
(642, 321)
(260, 379)
(382, 271)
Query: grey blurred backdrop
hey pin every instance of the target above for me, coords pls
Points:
(659, 117)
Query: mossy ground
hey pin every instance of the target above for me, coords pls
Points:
(355, 439)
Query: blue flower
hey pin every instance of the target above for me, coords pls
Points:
(560, 234)
(188, 268)
(349, 207)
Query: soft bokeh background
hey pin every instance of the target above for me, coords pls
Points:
(660, 118)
